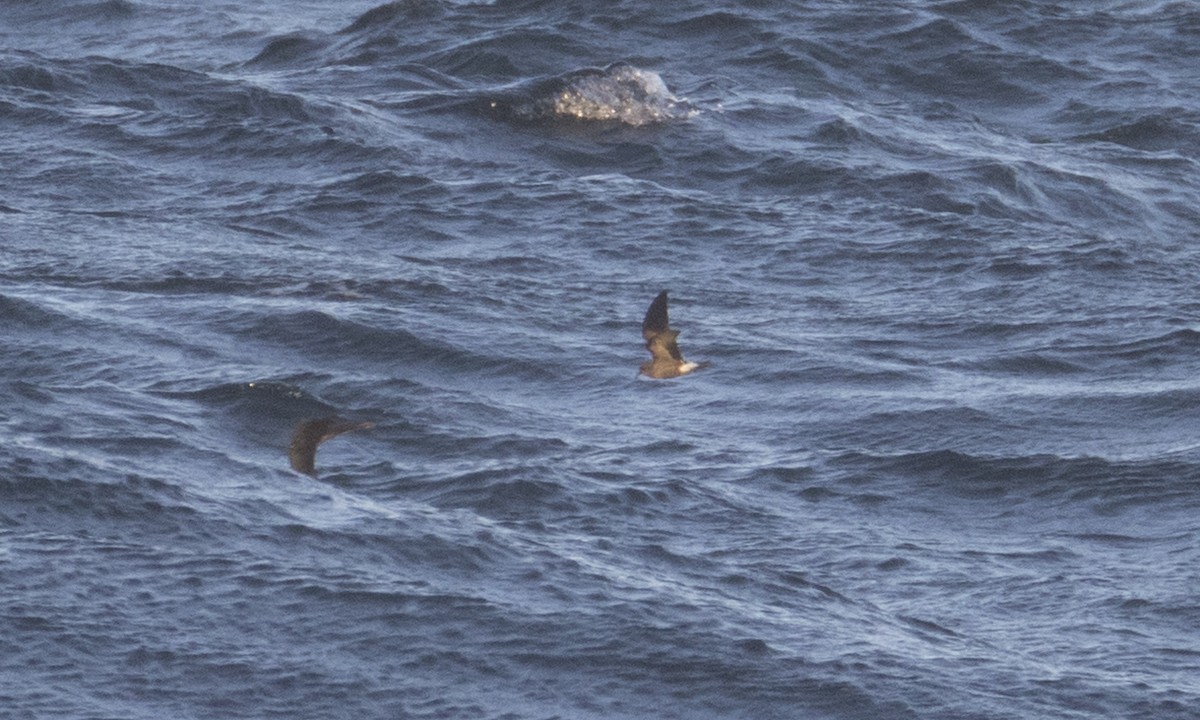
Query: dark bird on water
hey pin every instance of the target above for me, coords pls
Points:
(666, 360)
(311, 433)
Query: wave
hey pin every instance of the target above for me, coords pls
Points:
(28, 314)
(1167, 131)
(322, 334)
(619, 93)
(1171, 347)
(389, 14)
(504, 493)
(1109, 486)
(142, 108)
(53, 487)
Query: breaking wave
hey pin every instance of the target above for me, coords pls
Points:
(619, 93)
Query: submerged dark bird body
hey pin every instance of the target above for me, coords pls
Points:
(309, 434)
(666, 360)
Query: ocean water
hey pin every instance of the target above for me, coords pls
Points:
(942, 256)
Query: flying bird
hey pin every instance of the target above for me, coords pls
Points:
(311, 433)
(666, 360)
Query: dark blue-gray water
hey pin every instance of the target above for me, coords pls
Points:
(942, 256)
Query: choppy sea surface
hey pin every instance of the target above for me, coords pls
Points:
(942, 256)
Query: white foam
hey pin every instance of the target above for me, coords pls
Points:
(622, 93)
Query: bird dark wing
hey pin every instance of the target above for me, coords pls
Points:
(656, 317)
(663, 345)
(302, 452)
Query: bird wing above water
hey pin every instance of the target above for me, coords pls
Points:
(660, 338)
(302, 452)
(663, 346)
(666, 360)
(656, 320)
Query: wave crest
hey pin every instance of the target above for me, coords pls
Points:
(619, 93)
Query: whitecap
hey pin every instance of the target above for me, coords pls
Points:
(621, 93)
